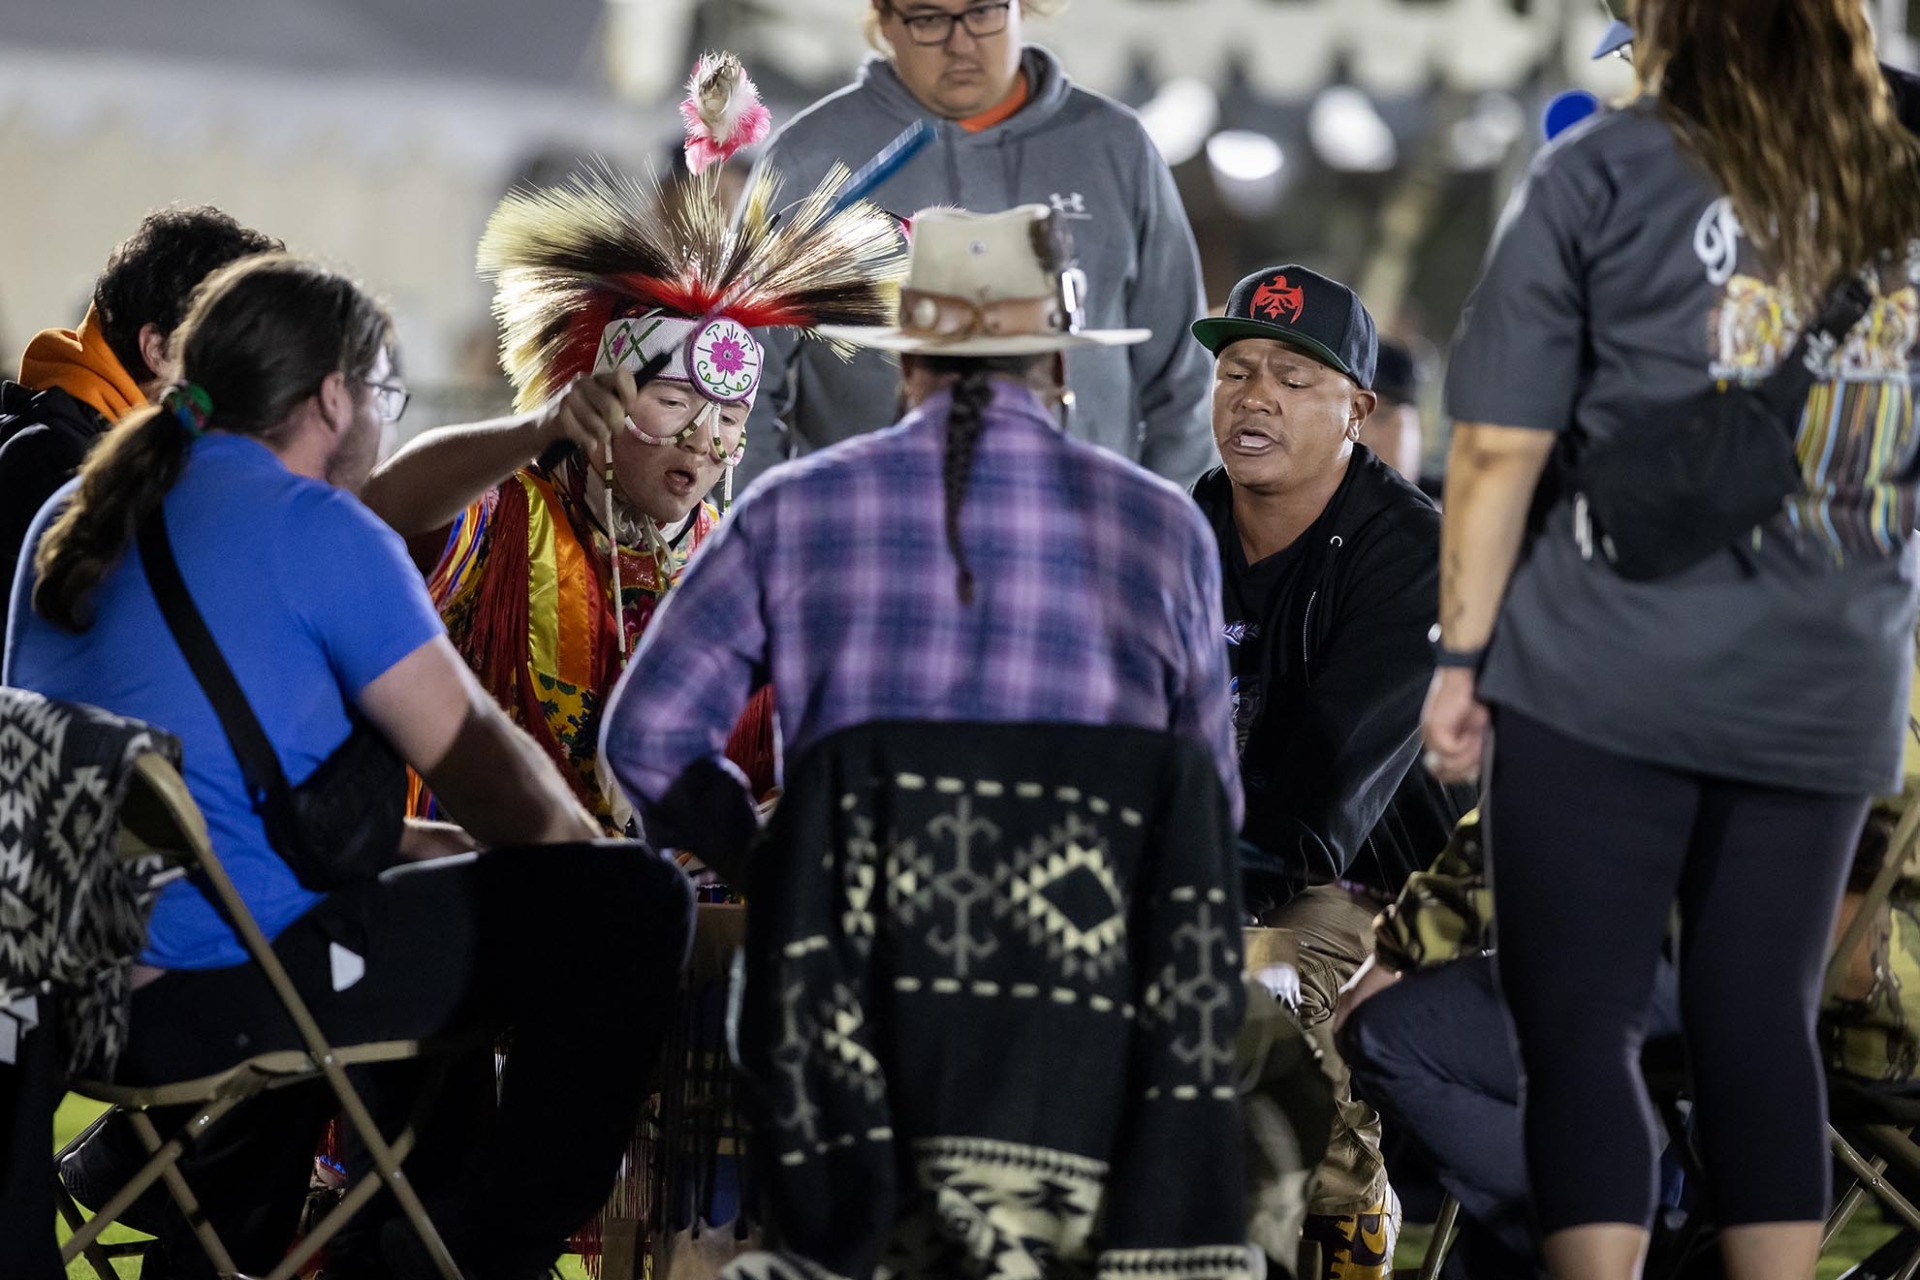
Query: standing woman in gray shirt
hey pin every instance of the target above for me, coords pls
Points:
(1711, 736)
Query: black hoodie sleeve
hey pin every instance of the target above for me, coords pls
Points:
(1905, 87)
(34, 463)
(1337, 761)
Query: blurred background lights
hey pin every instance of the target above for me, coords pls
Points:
(1484, 138)
(1348, 134)
(1247, 171)
(1179, 117)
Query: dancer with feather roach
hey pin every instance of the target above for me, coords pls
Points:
(627, 312)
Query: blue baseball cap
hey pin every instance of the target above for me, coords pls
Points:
(1617, 37)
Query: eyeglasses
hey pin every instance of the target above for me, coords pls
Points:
(390, 399)
(937, 28)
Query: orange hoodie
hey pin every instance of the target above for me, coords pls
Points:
(79, 362)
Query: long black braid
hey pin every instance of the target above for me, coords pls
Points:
(965, 420)
(1053, 248)
(971, 395)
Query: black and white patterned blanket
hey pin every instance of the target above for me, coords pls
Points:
(73, 915)
(992, 993)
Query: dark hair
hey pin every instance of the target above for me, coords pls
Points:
(971, 395)
(151, 275)
(261, 336)
(1734, 79)
(1397, 373)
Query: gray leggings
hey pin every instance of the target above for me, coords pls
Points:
(1589, 851)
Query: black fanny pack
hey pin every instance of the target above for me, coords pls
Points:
(1661, 498)
(343, 824)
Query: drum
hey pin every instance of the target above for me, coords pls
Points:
(685, 1203)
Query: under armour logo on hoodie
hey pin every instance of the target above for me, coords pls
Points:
(1072, 205)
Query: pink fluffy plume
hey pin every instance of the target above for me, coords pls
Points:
(723, 111)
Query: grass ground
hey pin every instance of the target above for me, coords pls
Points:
(1863, 1235)
(76, 1114)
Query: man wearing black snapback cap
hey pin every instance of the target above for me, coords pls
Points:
(1330, 582)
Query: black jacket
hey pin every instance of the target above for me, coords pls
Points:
(991, 993)
(1905, 87)
(1334, 790)
(44, 436)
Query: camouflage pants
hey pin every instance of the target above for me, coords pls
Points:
(1286, 1110)
(1334, 929)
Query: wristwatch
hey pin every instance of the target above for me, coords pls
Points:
(1445, 657)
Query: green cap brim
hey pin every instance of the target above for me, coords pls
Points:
(1216, 332)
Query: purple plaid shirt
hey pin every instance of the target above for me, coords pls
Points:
(1096, 601)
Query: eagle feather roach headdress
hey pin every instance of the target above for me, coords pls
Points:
(571, 262)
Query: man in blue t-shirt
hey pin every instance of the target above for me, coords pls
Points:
(311, 599)
(323, 619)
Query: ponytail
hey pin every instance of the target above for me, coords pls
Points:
(121, 483)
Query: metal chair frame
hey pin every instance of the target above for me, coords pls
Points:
(1444, 1226)
(1869, 1151)
(1872, 1150)
(160, 814)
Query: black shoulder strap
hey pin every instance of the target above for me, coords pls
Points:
(1787, 386)
(259, 765)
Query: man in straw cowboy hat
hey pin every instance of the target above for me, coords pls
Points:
(970, 562)
(972, 568)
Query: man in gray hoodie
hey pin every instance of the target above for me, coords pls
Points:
(1009, 129)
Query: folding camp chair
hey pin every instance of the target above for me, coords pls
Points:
(160, 815)
(1870, 1127)
(1663, 1067)
(1445, 1226)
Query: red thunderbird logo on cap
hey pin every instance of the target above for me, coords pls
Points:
(1276, 296)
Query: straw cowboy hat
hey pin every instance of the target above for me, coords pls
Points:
(978, 284)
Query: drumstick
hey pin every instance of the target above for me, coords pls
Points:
(556, 453)
(613, 554)
(888, 161)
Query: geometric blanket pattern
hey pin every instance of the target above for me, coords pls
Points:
(72, 914)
